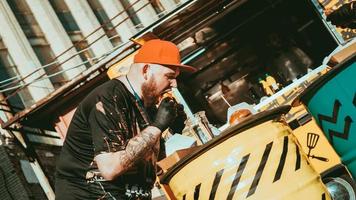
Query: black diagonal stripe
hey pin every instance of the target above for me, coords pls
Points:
(184, 197)
(282, 160)
(297, 162)
(215, 184)
(354, 101)
(323, 197)
(237, 177)
(197, 191)
(335, 114)
(333, 119)
(258, 174)
(343, 135)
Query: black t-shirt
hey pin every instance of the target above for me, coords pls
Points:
(104, 122)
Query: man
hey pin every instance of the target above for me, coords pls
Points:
(113, 140)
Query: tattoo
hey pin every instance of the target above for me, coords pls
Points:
(138, 147)
(100, 107)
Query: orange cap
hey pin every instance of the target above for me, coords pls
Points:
(161, 52)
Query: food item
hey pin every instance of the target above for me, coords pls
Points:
(239, 116)
(164, 95)
(167, 94)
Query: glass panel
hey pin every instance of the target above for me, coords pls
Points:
(46, 56)
(25, 18)
(158, 7)
(85, 55)
(8, 70)
(104, 19)
(130, 12)
(64, 15)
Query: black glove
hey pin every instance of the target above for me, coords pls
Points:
(166, 113)
(178, 125)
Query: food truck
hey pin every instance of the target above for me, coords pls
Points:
(233, 52)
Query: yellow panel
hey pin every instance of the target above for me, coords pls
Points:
(267, 145)
(323, 148)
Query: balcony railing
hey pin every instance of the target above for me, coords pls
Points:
(94, 64)
(12, 86)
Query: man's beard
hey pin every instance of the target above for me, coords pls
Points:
(148, 93)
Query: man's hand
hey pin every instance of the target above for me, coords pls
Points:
(178, 125)
(166, 113)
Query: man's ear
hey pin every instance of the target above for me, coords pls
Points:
(145, 71)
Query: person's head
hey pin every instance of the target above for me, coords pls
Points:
(158, 63)
(156, 80)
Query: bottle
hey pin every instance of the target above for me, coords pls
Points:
(192, 129)
(266, 87)
(272, 83)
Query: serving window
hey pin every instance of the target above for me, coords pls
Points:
(242, 45)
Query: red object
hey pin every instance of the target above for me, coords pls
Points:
(161, 52)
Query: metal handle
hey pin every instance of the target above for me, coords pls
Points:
(321, 158)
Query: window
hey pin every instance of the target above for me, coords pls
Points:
(45, 55)
(25, 18)
(64, 15)
(130, 12)
(105, 21)
(8, 72)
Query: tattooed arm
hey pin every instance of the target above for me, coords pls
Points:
(113, 164)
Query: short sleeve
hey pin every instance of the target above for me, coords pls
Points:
(108, 125)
